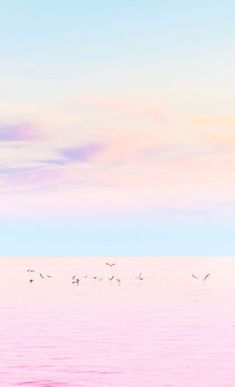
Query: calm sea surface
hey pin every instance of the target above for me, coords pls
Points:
(168, 329)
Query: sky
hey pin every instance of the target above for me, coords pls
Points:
(117, 128)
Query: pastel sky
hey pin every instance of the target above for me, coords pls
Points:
(117, 127)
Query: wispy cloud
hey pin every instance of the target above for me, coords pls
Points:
(82, 153)
(181, 211)
(212, 121)
(17, 132)
(29, 178)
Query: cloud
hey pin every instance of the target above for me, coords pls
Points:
(26, 177)
(214, 121)
(181, 211)
(53, 161)
(17, 132)
(83, 153)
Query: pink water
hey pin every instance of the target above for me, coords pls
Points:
(167, 330)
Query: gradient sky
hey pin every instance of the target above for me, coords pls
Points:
(117, 127)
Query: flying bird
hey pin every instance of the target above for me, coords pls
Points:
(140, 277)
(31, 280)
(30, 271)
(110, 264)
(194, 276)
(206, 277)
(41, 276)
(110, 279)
(76, 281)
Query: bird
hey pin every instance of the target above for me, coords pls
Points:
(206, 277)
(140, 277)
(110, 264)
(41, 276)
(110, 279)
(73, 277)
(49, 276)
(194, 276)
(31, 280)
(76, 282)
(30, 271)
(118, 280)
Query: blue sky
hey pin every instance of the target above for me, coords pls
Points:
(117, 128)
(89, 237)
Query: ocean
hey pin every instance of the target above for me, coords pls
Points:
(166, 329)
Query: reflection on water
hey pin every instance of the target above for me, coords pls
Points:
(168, 329)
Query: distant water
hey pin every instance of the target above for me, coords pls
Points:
(168, 330)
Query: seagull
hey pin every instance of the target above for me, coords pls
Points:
(30, 271)
(76, 282)
(206, 277)
(194, 276)
(140, 277)
(110, 264)
(31, 280)
(49, 276)
(110, 279)
(41, 276)
(118, 280)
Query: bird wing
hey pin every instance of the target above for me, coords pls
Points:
(206, 277)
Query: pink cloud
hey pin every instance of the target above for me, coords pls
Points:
(82, 153)
(30, 178)
(17, 132)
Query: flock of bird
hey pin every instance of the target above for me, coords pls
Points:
(76, 280)
(40, 274)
